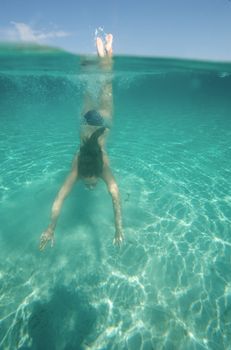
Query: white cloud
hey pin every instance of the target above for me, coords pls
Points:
(23, 32)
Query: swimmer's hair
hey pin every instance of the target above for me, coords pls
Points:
(90, 161)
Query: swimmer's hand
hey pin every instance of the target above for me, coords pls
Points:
(46, 236)
(119, 238)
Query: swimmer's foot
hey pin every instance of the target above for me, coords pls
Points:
(100, 47)
(108, 45)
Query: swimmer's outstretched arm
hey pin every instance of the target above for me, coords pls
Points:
(114, 192)
(48, 234)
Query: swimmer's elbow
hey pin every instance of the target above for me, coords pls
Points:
(113, 190)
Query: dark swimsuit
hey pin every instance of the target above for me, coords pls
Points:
(94, 118)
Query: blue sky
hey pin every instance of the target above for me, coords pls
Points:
(177, 28)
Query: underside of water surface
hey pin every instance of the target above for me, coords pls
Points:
(169, 285)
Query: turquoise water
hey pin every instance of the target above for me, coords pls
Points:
(169, 286)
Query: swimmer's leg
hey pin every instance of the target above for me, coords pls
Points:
(100, 47)
(106, 101)
(106, 93)
(88, 103)
(105, 105)
(108, 45)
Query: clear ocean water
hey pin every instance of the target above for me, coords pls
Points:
(169, 286)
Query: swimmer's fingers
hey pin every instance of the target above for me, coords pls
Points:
(52, 241)
(118, 240)
(43, 242)
(45, 238)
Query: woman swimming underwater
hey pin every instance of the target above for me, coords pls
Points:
(91, 162)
